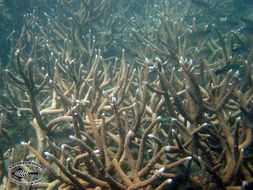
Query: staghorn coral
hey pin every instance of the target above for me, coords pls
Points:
(135, 121)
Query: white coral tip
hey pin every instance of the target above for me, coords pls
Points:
(71, 137)
(24, 143)
(63, 146)
(161, 170)
(47, 154)
(167, 148)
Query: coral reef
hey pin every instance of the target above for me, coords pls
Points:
(157, 100)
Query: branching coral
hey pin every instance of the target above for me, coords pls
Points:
(148, 122)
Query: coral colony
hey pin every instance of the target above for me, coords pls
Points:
(148, 101)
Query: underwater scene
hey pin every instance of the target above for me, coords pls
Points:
(126, 94)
